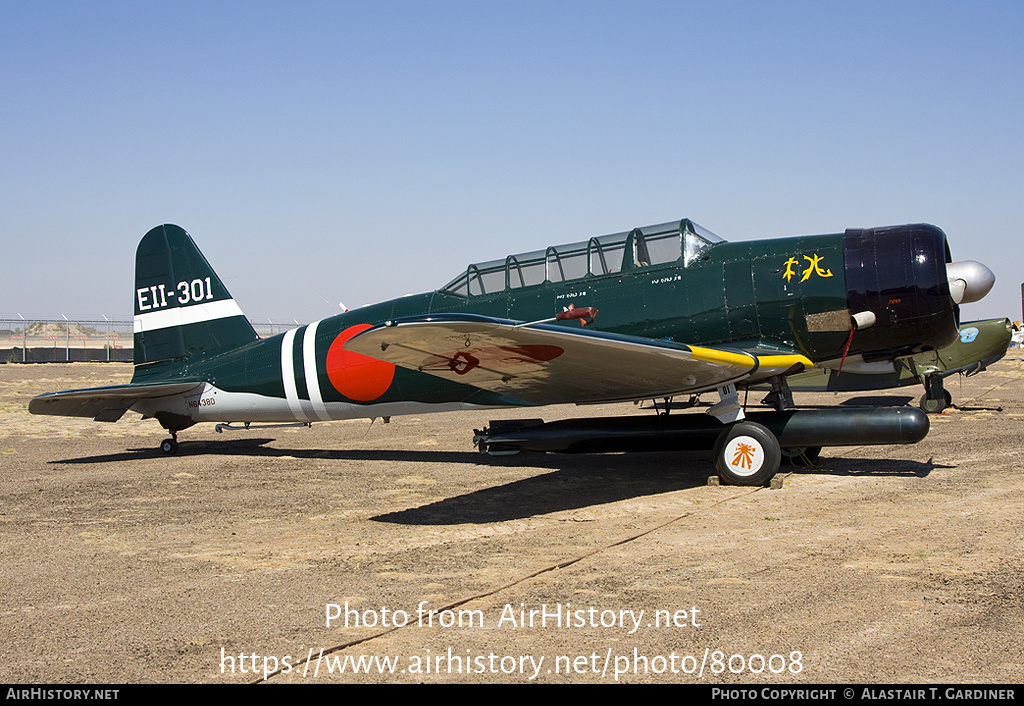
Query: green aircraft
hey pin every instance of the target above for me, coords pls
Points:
(979, 344)
(650, 313)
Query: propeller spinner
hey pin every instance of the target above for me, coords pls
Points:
(969, 281)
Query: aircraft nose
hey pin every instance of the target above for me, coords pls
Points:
(969, 281)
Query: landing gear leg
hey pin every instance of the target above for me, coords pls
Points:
(781, 397)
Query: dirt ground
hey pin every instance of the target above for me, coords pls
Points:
(395, 553)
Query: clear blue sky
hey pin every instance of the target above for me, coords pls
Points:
(358, 151)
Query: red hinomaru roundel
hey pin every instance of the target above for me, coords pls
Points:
(359, 377)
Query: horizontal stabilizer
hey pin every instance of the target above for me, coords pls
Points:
(104, 404)
(550, 364)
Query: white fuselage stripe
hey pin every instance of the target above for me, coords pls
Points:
(184, 315)
(309, 367)
(291, 392)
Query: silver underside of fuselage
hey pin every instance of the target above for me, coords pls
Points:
(212, 404)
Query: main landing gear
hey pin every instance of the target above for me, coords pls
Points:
(746, 453)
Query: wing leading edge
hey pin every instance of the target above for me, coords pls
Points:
(550, 364)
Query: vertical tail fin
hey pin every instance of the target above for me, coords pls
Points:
(182, 308)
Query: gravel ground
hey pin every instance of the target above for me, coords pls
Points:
(438, 564)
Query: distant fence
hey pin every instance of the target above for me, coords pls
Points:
(48, 340)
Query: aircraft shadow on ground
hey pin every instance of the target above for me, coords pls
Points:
(571, 481)
(839, 466)
(903, 401)
(575, 481)
(575, 484)
(228, 447)
(877, 401)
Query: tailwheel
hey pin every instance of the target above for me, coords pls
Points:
(747, 454)
(801, 456)
(169, 446)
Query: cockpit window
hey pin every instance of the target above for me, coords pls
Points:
(487, 278)
(526, 270)
(695, 239)
(606, 253)
(677, 241)
(656, 245)
(566, 262)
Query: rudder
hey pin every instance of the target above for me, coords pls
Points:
(182, 308)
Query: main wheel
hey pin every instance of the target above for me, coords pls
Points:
(747, 454)
(169, 446)
(801, 456)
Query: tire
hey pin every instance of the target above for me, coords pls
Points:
(747, 454)
(936, 406)
(169, 446)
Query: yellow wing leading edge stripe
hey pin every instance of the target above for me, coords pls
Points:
(713, 355)
(784, 362)
(765, 365)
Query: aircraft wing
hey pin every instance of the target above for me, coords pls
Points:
(546, 364)
(104, 404)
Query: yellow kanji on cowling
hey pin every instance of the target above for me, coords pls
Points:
(813, 267)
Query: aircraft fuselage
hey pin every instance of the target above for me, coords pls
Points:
(791, 295)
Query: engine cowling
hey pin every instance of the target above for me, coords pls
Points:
(904, 291)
